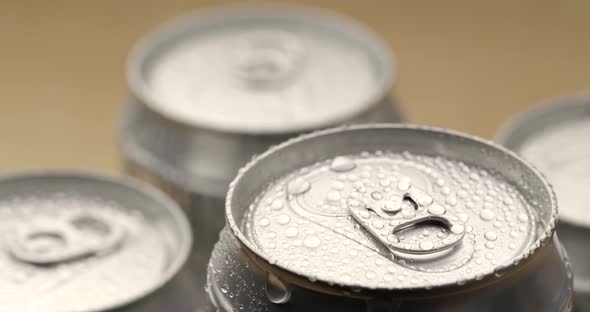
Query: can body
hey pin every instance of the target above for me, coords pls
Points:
(245, 272)
(84, 237)
(194, 158)
(552, 137)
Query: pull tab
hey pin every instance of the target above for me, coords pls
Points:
(268, 58)
(53, 241)
(387, 217)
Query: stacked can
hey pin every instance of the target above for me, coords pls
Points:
(81, 242)
(553, 137)
(389, 218)
(211, 90)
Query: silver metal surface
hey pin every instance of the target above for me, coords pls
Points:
(211, 90)
(497, 213)
(82, 242)
(261, 70)
(553, 137)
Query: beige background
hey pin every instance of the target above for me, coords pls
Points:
(466, 65)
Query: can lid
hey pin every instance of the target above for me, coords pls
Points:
(395, 207)
(81, 242)
(553, 137)
(272, 69)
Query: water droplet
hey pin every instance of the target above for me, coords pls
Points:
(365, 214)
(512, 246)
(371, 275)
(354, 203)
(333, 196)
(490, 245)
(337, 185)
(523, 217)
(487, 215)
(378, 224)
(426, 245)
(451, 200)
(436, 210)
(283, 219)
(391, 207)
(376, 195)
(403, 185)
(312, 241)
(277, 292)
(457, 229)
(291, 232)
(341, 164)
(463, 217)
(393, 239)
(264, 222)
(298, 186)
(277, 204)
(490, 235)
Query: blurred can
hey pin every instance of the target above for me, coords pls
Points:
(211, 90)
(82, 242)
(554, 138)
(389, 218)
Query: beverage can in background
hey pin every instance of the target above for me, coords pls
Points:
(80, 242)
(389, 218)
(211, 90)
(554, 138)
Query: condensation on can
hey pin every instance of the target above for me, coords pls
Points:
(77, 241)
(552, 136)
(389, 218)
(211, 90)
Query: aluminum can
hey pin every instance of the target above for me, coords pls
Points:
(552, 136)
(79, 242)
(211, 90)
(389, 218)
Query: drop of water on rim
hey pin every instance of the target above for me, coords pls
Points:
(342, 164)
(523, 217)
(277, 292)
(298, 186)
(264, 222)
(277, 204)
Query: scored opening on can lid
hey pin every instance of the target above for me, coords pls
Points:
(553, 137)
(76, 241)
(261, 69)
(391, 207)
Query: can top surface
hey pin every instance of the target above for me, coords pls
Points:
(391, 207)
(553, 137)
(269, 69)
(81, 242)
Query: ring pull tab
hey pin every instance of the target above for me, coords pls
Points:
(58, 240)
(266, 59)
(386, 219)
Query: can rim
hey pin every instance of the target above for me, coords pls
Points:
(541, 241)
(134, 185)
(141, 51)
(517, 130)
